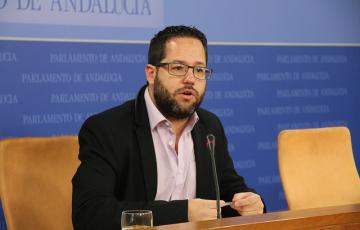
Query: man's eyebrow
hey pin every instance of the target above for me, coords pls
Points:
(200, 63)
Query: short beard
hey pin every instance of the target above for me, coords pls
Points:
(167, 104)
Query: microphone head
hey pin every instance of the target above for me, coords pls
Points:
(210, 140)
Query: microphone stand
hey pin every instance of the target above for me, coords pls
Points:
(211, 145)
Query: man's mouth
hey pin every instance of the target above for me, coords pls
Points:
(188, 92)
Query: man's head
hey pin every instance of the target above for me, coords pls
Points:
(177, 72)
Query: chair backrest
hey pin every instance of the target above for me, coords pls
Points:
(317, 167)
(35, 181)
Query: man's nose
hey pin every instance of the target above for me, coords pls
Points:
(190, 77)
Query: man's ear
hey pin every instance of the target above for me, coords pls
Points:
(150, 72)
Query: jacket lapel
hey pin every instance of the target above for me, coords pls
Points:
(147, 152)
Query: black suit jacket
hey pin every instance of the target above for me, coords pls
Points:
(118, 168)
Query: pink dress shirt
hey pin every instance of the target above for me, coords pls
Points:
(176, 172)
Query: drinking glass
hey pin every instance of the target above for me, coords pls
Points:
(134, 219)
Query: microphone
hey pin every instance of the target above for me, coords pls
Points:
(211, 145)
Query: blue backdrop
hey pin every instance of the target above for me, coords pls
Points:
(272, 72)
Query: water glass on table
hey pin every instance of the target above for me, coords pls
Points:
(134, 219)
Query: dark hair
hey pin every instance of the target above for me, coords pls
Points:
(157, 44)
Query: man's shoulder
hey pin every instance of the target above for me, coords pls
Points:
(209, 123)
(206, 114)
(207, 117)
(120, 113)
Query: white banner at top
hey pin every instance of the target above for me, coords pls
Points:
(114, 13)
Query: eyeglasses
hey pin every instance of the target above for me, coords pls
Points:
(179, 69)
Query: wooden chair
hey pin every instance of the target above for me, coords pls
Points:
(35, 181)
(317, 167)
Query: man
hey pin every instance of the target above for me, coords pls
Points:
(151, 153)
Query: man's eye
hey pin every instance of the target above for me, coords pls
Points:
(178, 67)
(199, 69)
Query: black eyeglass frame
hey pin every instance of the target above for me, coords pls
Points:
(206, 70)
